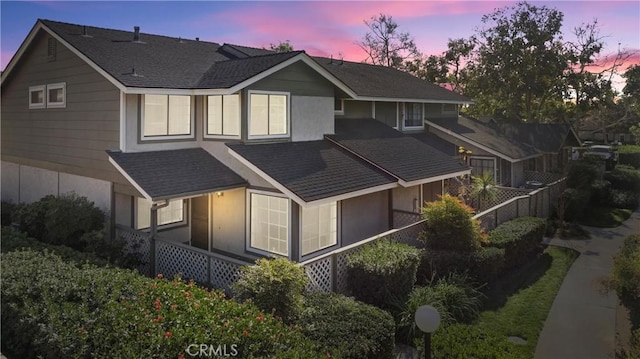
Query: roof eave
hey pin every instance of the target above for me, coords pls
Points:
(405, 99)
(434, 179)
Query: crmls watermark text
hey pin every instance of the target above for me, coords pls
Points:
(212, 351)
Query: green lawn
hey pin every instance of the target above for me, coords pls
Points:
(516, 305)
(605, 217)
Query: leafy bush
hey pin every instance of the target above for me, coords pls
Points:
(467, 341)
(13, 239)
(275, 285)
(624, 179)
(59, 220)
(5, 212)
(112, 250)
(54, 309)
(582, 173)
(486, 264)
(341, 325)
(451, 226)
(624, 199)
(454, 296)
(626, 270)
(518, 238)
(629, 155)
(576, 201)
(435, 264)
(600, 192)
(382, 272)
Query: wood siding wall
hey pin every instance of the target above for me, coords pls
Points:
(71, 139)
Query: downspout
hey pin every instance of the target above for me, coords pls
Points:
(154, 230)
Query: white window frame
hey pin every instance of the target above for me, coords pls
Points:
(206, 119)
(56, 86)
(341, 111)
(43, 89)
(495, 170)
(455, 112)
(288, 125)
(404, 117)
(320, 249)
(248, 246)
(184, 222)
(191, 135)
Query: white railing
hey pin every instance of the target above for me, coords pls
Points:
(328, 272)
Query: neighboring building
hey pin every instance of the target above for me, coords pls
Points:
(235, 150)
(507, 150)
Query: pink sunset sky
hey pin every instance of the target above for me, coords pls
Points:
(324, 28)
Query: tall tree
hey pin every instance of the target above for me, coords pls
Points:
(385, 45)
(518, 72)
(282, 46)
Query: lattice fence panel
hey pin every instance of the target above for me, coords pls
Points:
(137, 242)
(403, 219)
(172, 260)
(223, 273)
(523, 207)
(544, 177)
(320, 274)
(487, 220)
(342, 286)
(410, 235)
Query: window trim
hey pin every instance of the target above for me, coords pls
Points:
(341, 111)
(321, 249)
(449, 112)
(205, 124)
(251, 249)
(288, 125)
(404, 117)
(162, 227)
(55, 86)
(43, 104)
(192, 131)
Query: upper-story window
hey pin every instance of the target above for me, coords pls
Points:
(166, 115)
(223, 116)
(56, 95)
(268, 114)
(413, 115)
(449, 109)
(36, 96)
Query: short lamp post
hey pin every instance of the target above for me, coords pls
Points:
(428, 320)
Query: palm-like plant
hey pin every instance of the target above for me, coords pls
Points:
(484, 188)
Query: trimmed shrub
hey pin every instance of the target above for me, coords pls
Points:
(13, 239)
(486, 264)
(518, 238)
(54, 309)
(59, 220)
(382, 272)
(347, 328)
(454, 296)
(575, 201)
(275, 285)
(629, 155)
(600, 192)
(467, 341)
(436, 264)
(626, 270)
(624, 178)
(5, 212)
(450, 226)
(582, 173)
(624, 199)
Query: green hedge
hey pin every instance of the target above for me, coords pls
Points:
(482, 265)
(347, 328)
(466, 341)
(486, 264)
(629, 155)
(626, 271)
(54, 309)
(518, 238)
(624, 178)
(59, 220)
(382, 272)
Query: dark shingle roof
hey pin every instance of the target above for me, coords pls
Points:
(378, 81)
(174, 173)
(313, 170)
(545, 137)
(403, 156)
(437, 143)
(487, 136)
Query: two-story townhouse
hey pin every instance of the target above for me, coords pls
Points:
(230, 149)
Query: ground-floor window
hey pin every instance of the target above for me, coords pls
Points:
(481, 165)
(269, 223)
(319, 228)
(173, 214)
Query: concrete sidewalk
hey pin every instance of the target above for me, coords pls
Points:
(582, 321)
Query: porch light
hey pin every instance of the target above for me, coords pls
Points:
(428, 320)
(220, 194)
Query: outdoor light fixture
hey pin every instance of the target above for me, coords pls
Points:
(219, 194)
(428, 320)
